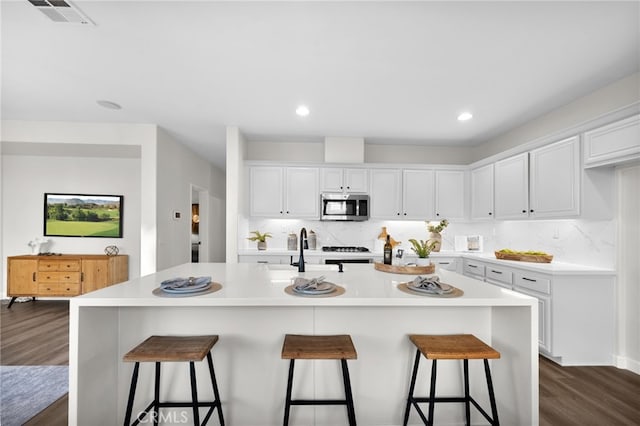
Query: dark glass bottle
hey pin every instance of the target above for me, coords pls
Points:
(388, 251)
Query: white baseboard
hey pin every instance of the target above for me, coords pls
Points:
(628, 364)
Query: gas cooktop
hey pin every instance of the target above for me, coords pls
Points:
(350, 249)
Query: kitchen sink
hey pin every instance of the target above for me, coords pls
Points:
(308, 267)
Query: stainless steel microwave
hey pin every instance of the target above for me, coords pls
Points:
(338, 206)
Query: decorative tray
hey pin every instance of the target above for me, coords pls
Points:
(525, 257)
(412, 270)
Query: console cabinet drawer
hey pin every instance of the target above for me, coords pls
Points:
(59, 277)
(59, 289)
(59, 265)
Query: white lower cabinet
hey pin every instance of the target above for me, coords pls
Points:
(447, 263)
(250, 258)
(576, 319)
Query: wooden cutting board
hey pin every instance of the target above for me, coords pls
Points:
(398, 269)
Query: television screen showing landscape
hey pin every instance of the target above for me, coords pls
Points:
(76, 215)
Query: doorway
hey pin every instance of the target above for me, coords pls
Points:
(199, 224)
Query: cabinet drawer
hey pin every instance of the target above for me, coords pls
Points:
(499, 274)
(59, 277)
(533, 282)
(59, 265)
(473, 268)
(58, 289)
(449, 264)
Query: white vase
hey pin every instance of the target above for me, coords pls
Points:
(262, 245)
(423, 261)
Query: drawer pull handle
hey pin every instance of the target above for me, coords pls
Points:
(82, 276)
(473, 266)
(529, 279)
(33, 277)
(444, 263)
(496, 272)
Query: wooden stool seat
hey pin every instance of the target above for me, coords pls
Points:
(318, 347)
(455, 346)
(171, 349)
(451, 347)
(309, 347)
(158, 349)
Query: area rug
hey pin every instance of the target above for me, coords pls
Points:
(27, 390)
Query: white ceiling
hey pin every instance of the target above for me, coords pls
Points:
(390, 72)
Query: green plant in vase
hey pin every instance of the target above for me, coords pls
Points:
(260, 238)
(423, 249)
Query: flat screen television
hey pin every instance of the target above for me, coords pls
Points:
(83, 215)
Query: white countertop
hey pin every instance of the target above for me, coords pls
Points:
(250, 284)
(554, 268)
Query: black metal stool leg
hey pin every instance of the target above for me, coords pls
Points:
(467, 407)
(194, 394)
(411, 388)
(351, 411)
(492, 398)
(132, 393)
(216, 394)
(432, 391)
(287, 405)
(156, 396)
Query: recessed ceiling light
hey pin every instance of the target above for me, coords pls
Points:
(108, 104)
(302, 110)
(465, 116)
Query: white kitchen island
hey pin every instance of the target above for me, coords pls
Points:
(252, 313)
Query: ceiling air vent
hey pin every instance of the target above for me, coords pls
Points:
(61, 11)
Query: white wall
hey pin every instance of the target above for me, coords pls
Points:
(313, 152)
(629, 267)
(617, 95)
(179, 169)
(236, 190)
(26, 178)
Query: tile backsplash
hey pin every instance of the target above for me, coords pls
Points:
(577, 241)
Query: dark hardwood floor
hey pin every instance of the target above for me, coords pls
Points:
(38, 334)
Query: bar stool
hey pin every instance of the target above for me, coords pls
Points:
(456, 346)
(320, 347)
(173, 349)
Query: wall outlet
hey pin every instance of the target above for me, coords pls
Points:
(556, 233)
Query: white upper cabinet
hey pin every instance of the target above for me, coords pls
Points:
(334, 179)
(554, 179)
(614, 143)
(266, 196)
(512, 187)
(284, 192)
(482, 193)
(418, 191)
(385, 194)
(301, 192)
(542, 183)
(450, 194)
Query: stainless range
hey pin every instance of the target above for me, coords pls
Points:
(345, 254)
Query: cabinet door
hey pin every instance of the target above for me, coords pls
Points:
(512, 187)
(331, 179)
(385, 194)
(302, 198)
(266, 191)
(95, 273)
(22, 277)
(554, 178)
(614, 143)
(418, 194)
(482, 193)
(544, 318)
(356, 180)
(450, 194)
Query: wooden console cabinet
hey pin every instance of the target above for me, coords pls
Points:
(64, 275)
